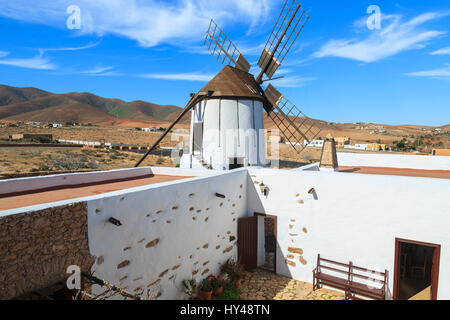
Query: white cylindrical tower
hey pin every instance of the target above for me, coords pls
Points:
(227, 128)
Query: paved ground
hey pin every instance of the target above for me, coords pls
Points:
(263, 285)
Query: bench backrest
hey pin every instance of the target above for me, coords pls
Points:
(354, 273)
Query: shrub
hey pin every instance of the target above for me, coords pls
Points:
(190, 287)
(233, 269)
(206, 285)
(216, 282)
(231, 294)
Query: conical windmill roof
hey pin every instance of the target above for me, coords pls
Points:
(234, 83)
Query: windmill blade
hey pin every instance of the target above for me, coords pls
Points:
(192, 102)
(293, 124)
(286, 30)
(223, 49)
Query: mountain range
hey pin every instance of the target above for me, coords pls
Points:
(32, 104)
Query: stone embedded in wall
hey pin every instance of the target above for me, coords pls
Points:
(36, 248)
(163, 273)
(172, 277)
(158, 212)
(302, 260)
(227, 249)
(123, 264)
(291, 263)
(205, 263)
(301, 201)
(176, 267)
(125, 249)
(194, 272)
(191, 209)
(205, 246)
(100, 260)
(153, 283)
(205, 271)
(206, 219)
(293, 234)
(152, 243)
(175, 208)
(290, 256)
(123, 278)
(295, 250)
(190, 195)
(305, 230)
(217, 247)
(142, 240)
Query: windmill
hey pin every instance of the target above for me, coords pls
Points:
(234, 101)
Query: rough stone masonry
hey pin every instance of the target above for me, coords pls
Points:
(37, 247)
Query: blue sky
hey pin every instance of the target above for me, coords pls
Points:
(338, 70)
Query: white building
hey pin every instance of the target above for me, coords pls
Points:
(165, 225)
(227, 128)
(314, 143)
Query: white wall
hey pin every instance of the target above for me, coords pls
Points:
(394, 161)
(355, 217)
(163, 213)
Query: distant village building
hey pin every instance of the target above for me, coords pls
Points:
(357, 146)
(56, 125)
(151, 129)
(441, 152)
(27, 136)
(314, 143)
(342, 141)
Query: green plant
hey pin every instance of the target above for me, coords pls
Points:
(206, 285)
(190, 287)
(233, 269)
(216, 282)
(159, 160)
(231, 294)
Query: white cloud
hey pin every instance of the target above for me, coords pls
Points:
(88, 46)
(100, 71)
(38, 62)
(395, 36)
(180, 76)
(292, 82)
(150, 22)
(3, 54)
(436, 73)
(441, 52)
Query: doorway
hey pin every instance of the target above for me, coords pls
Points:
(416, 270)
(235, 163)
(197, 137)
(267, 248)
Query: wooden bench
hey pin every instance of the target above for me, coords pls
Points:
(342, 276)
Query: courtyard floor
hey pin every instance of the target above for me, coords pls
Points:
(263, 285)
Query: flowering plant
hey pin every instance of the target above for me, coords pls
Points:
(216, 282)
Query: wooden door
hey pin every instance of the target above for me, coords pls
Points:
(248, 242)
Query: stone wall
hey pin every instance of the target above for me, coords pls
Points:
(37, 247)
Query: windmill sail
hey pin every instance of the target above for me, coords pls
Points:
(223, 49)
(286, 30)
(293, 124)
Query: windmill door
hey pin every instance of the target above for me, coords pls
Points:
(248, 242)
(198, 136)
